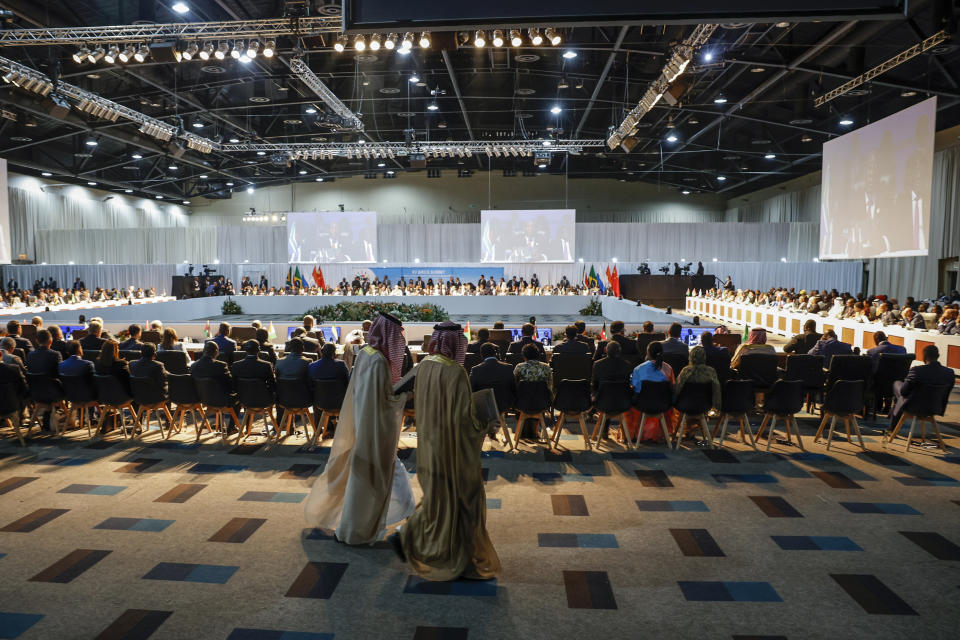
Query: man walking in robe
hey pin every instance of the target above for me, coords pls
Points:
(364, 487)
(446, 537)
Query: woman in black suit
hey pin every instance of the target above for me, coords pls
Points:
(109, 364)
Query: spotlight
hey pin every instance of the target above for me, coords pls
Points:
(81, 55)
(569, 55)
(206, 51)
(432, 106)
(95, 55)
(375, 42)
(223, 50)
(136, 156)
(127, 54)
(269, 48)
(46, 174)
(91, 142)
(708, 56)
(198, 125)
(552, 36)
(340, 44)
(480, 39)
(407, 42)
(671, 138)
(425, 40)
(391, 42)
(414, 78)
(536, 38)
(180, 7)
(92, 184)
(142, 53)
(846, 121)
(770, 156)
(252, 49)
(498, 38)
(237, 50)
(720, 99)
(250, 189)
(359, 44)
(173, 167)
(555, 109)
(685, 192)
(515, 39)
(721, 178)
(191, 50)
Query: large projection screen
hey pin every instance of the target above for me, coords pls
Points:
(535, 235)
(332, 236)
(875, 190)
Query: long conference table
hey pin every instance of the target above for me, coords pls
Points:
(854, 333)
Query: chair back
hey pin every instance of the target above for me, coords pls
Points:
(761, 368)
(572, 396)
(845, 396)
(146, 390)
(294, 393)
(79, 389)
(77, 334)
(153, 337)
(20, 353)
(9, 399)
(614, 397)
(214, 392)
(677, 361)
(45, 389)
(720, 361)
(110, 390)
(890, 368)
(129, 356)
(472, 360)
(737, 397)
(729, 340)
(182, 389)
(174, 361)
(532, 397)
(850, 367)
(503, 345)
(570, 366)
(328, 394)
(695, 398)
(254, 393)
(504, 394)
(653, 397)
(237, 356)
(644, 340)
(513, 359)
(29, 331)
(806, 368)
(785, 397)
(928, 400)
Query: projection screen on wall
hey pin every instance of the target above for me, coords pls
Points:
(875, 189)
(534, 235)
(332, 236)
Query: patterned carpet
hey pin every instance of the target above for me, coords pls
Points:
(150, 539)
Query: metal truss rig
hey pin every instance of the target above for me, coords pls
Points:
(883, 67)
(499, 149)
(309, 78)
(273, 27)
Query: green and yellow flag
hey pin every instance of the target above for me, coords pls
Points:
(297, 278)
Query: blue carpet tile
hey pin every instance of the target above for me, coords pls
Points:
(927, 481)
(757, 478)
(274, 634)
(272, 496)
(63, 461)
(891, 508)
(494, 503)
(478, 588)
(578, 540)
(93, 489)
(553, 478)
(729, 592)
(134, 524)
(671, 505)
(13, 625)
(815, 543)
(216, 468)
(181, 572)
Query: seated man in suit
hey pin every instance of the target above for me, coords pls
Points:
(133, 342)
(44, 360)
(309, 324)
(93, 340)
(483, 335)
(75, 365)
(491, 371)
(526, 337)
(148, 367)
(57, 343)
(610, 368)
(207, 366)
(583, 337)
(647, 327)
(253, 367)
(7, 347)
(803, 342)
(673, 344)
(883, 346)
(224, 342)
(12, 375)
(15, 332)
(293, 364)
(309, 344)
(627, 346)
(930, 372)
(571, 344)
(327, 367)
(829, 346)
(266, 348)
(911, 319)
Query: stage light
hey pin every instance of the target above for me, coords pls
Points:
(432, 106)
(407, 42)
(91, 142)
(237, 50)
(414, 78)
(569, 55)
(425, 40)
(579, 259)
(498, 38)
(340, 43)
(269, 48)
(222, 51)
(92, 184)
(95, 55)
(261, 153)
(136, 156)
(173, 167)
(555, 109)
(142, 53)
(552, 36)
(81, 55)
(515, 39)
(770, 156)
(536, 38)
(391, 42)
(127, 54)
(206, 51)
(480, 39)
(310, 111)
(708, 56)
(302, 172)
(125, 191)
(721, 178)
(416, 260)
(846, 121)
(816, 259)
(250, 190)
(542, 165)
(190, 51)
(229, 184)
(319, 179)
(720, 99)
(359, 44)
(613, 259)
(180, 7)
(685, 192)
(672, 138)
(375, 40)
(783, 259)
(158, 197)
(252, 49)
(390, 173)
(198, 125)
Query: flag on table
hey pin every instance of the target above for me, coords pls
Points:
(583, 276)
(603, 332)
(609, 278)
(746, 333)
(592, 278)
(318, 277)
(271, 332)
(146, 325)
(597, 280)
(206, 330)
(466, 331)
(616, 282)
(336, 334)
(297, 278)
(289, 276)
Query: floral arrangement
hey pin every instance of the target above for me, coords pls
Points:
(360, 311)
(595, 308)
(230, 308)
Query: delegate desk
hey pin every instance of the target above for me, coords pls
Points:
(856, 334)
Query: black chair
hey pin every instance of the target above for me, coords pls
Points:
(20, 353)
(570, 366)
(677, 361)
(850, 367)
(783, 400)
(295, 398)
(183, 393)
(738, 401)
(113, 399)
(471, 360)
(238, 356)
(891, 367)
(843, 400)
(505, 395)
(720, 361)
(45, 391)
(215, 394)
(693, 402)
(644, 340)
(257, 399)
(10, 410)
(514, 359)
(613, 401)
(729, 340)
(572, 400)
(328, 398)
(81, 396)
(759, 368)
(925, 402)
(533, 401)
(149, 395)
(653, 400)
(151, 336)
(91, 355)
(808, 370)
(176, 362)
(129, 356)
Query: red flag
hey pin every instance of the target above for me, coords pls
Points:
(318, 276)
(615, 282)
(603, 332)
(609, 278)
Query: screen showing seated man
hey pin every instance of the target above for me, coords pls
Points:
(540, 235)
(328, 334)
(68, 329)
(875, 189)
(692, 336)
(544, 335)
(332, 236)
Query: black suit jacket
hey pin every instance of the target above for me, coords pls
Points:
(802, 342)
(610, 370)
(207, 367)
(517, 347)
(572, 346)
(151, 369)
(131, 345)
(118, 369)
(267, 352)
(628, 346)
(256, 369)
(11, 374)
(60, 346)
(91, 343)
(587, 341)
(291, 366)
(44, 361)
(23, 343)
(474, 347)
(491, 372)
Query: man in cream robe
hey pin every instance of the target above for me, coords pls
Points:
(446, 537)
(364, 487)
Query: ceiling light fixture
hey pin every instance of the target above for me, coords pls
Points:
(553, 36)
(672, 138)
(515, 38)
(191, 50)
(770, 156)
(359, 44)
(391, 42)
(180, 7)
(95, 55)
(721, 178)
(340, 43)
(237, 50)
(407, 42)
(252, 49)
(425, 40)
(414, 77)
(480, 39)
(555, 109)
(432, 106)
(81, 55)
(720, 99)
(223, 50)
(269, 48)
(536, 38)
(569, 55)
(846, 121)
(206, 51)
(127, 54)
(375, 41)
(142, 53)
(498, 38)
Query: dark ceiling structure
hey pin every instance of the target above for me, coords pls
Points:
(740, 118)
